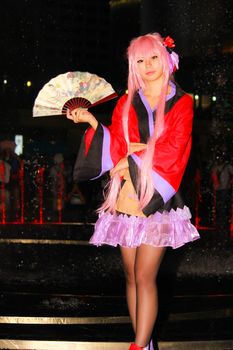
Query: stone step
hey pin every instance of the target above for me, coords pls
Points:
(58, 258)
(181, 307)
(105, 318)
(69, 231)
(56, 287)
(51, 345)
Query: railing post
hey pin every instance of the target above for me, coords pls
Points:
(40, 182)
(3, 204)
(21, 184)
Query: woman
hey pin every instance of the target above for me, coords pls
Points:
(146, 149)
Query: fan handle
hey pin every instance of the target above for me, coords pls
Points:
(76, 102)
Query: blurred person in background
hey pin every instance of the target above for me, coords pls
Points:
(222, 177)
(58, 182)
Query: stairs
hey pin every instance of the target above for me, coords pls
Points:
(58, 292)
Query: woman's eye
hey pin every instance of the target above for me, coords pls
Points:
(154, 57)
(139, 61)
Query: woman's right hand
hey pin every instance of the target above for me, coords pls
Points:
(120, 167)
(81, 115)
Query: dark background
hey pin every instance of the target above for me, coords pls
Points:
(41, 39)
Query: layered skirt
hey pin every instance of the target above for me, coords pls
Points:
(129, 227)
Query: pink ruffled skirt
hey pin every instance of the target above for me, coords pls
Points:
(167, 229)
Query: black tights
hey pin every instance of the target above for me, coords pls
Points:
(141, 266)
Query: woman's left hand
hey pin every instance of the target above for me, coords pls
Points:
(81, 115)
(121, 165)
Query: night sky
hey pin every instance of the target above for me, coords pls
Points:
(40, 39)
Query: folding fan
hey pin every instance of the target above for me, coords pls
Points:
(71, 90)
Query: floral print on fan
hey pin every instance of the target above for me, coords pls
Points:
(64, 87)
(83, 87)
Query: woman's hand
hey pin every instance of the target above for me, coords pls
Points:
(121, 165)
(81, 115)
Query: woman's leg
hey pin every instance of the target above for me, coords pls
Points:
(147, 264)
(128, 258)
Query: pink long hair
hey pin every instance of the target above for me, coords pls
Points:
(143, 46)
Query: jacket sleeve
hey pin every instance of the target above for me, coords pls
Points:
(171, 154)
(101, 149)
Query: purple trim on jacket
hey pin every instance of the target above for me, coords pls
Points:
(160, 184)
(150, 111)
(106, 160)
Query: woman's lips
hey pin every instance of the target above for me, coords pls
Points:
(151, 72)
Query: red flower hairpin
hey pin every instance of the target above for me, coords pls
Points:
(169, 42)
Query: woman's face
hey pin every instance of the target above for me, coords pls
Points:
(149, 67)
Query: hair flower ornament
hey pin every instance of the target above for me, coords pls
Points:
(174, 58)
(169, 42)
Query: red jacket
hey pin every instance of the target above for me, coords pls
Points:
(102, 149)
